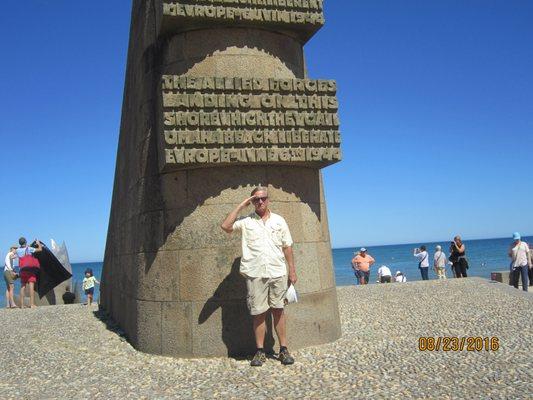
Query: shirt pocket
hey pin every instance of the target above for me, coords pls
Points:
(253, 234)
(276, 233)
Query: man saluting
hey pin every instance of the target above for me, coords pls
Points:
(266, 246)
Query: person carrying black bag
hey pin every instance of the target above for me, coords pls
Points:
(458, 258)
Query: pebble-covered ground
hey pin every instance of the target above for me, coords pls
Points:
(65, 352)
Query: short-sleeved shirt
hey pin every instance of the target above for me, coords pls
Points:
(520, 254)
(262, 245)
(384, 271)
(423, 257)
(363, 263)
(440, 259)
(88, 282)
(23, 251)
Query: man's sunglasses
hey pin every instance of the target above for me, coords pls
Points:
(257, 199)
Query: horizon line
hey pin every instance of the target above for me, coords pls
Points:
(370, 245)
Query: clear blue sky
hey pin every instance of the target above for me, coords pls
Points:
(436, 111)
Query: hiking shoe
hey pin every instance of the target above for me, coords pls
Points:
(258, 359)
(285, 357)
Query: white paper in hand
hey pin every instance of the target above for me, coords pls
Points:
(291, 296)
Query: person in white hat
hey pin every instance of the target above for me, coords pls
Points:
(521, 261)
(439, 262)
(400, 277)
(361, 264)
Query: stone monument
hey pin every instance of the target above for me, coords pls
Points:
(217, 101)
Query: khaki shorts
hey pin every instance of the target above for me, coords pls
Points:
(9, 277)
(265, 293)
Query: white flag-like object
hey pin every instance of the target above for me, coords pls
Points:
(61, 254)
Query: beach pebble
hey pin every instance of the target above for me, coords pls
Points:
(60, 352)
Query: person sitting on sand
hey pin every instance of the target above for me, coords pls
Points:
(361, 264)
(88, 285)
(29, 269)
(68, 296)
(400, 277)
(10, 276)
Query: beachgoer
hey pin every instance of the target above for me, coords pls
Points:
(460, 263)
(384, 274)
(530, 269)
(88, 285)
(354, 267)
(361, 264)
(439, 262)
(29, 269)
(10, 276)
(400, 277)
(521, 261)
(266, 248)
(453, 258)
(68, 296)
(423, 261)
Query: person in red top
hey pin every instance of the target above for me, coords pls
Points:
(29, 269)
(361, 264)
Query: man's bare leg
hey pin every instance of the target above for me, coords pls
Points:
(280, 326)
(259, 330)
(22, 296)
(32, 295)
(11, 296)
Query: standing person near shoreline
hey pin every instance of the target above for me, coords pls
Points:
(361, 264)
(530, 272)
(460, 263)
(453, 259)
(266, 252)
(423, 261)
(10, 276)
(439, 262)
(29, 269)
(521, 261)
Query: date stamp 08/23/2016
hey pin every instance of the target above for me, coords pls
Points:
(455, 343)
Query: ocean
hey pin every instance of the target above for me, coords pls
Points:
(484, 257)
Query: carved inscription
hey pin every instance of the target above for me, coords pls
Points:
(297, 12)
(239, 120)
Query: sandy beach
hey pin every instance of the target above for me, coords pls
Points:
(74, 352)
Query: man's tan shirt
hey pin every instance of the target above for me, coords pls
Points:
(262, 245)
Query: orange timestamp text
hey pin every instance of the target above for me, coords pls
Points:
(454, 343)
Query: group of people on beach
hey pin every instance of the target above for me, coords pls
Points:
(521, 264)
(28, 271)
(361, 264)
(457, 260)
(21, 263)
